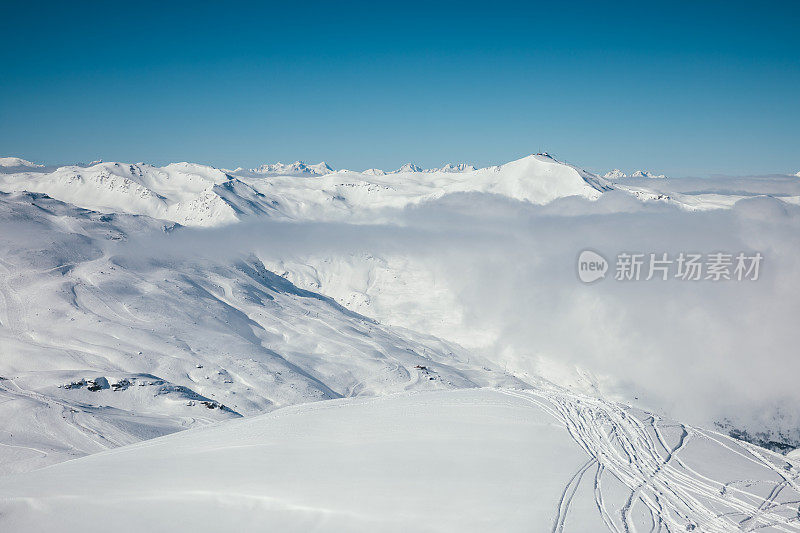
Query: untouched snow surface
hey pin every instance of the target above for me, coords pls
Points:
(507, 460)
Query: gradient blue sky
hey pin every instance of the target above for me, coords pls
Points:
(691, 88)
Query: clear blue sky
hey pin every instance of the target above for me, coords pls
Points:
(689, 88)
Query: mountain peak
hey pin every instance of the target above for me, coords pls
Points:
(17, 162)
(374, 172)
(298, 167)
(321, 168)
(615, 174)
(408, 167)
(647, 174)
(457, 167)
(449, 168)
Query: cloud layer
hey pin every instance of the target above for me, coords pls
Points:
(701, 351)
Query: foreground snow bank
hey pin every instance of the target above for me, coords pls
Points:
(467, 460)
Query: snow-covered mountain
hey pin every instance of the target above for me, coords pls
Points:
(298, 167)
(408, 167)
(181, 192)
(197, 195)
(103, 345)
(449, 167)
(10, 162)
(647, 174)
(618, 174)
(457, 167)
(139, 301)
(374, 172)
(9, 165)
(615, 174)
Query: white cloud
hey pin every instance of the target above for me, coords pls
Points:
(703, 351)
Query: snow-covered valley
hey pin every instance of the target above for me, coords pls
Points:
(355, 350)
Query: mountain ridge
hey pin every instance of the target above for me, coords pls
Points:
(202, 195)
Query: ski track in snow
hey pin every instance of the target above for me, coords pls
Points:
(676, 496)
(568, 494)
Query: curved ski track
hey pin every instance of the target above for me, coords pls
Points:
(632, 447)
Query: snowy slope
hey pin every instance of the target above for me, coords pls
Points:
(396, 289)
(101, 347)
(542, 460)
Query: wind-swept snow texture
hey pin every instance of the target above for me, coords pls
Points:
(542, 459)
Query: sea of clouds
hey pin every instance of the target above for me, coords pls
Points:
(701, 351)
